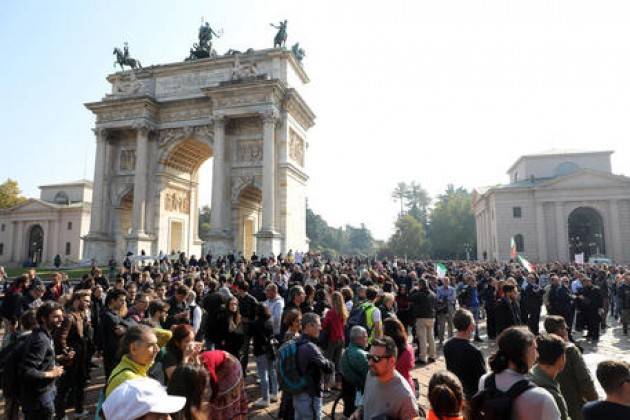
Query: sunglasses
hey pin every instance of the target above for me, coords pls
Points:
(377, 359)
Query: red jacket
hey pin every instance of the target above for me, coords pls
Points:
(333, 322)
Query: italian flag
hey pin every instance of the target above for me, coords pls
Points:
(512, 247)
(440, 269)
(526, 264)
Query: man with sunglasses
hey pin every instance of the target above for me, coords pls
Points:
(387, 393)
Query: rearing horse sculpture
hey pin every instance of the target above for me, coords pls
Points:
(125, 61)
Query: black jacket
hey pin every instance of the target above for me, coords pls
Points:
(507, 314)
(422, 303)
(532, 299)
(38, 358)
(109, 340)
(312, 364)
(559, 301)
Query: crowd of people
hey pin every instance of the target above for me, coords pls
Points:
(175, 338)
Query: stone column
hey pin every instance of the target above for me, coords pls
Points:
(140, 181)
(100, 164)
(540, 229)
(616, 251)
(218, 176)
(269, 173)
(46, 250)
(561, 237)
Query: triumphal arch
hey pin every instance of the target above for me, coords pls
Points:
(160, 123)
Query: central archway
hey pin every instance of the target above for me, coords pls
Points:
(586, 233)
(249, 214)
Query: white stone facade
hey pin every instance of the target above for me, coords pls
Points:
(53, 224)
(543, 196)
(161, 123)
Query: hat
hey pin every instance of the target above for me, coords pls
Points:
(136, 397)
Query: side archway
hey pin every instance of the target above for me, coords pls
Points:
(586, 233)
(35, 244)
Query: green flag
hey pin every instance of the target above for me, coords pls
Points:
(440, 270)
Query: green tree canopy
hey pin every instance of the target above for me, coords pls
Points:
(204, 223)
(335, 241)
(10, 194)
(452, 225)
(409, 239)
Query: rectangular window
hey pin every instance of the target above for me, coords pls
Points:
(516, 212)
(1, 249)
(2, 227)
(67, 248)
(69, 225)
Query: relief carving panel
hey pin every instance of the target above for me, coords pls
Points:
(177, 201)
(296, 147)
(127, 161)
(249, 151)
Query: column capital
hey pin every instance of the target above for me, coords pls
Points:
(142, 127)
(219, 120)
(269, 116)
(100, 133)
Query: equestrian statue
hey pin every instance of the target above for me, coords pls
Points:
(123, 58)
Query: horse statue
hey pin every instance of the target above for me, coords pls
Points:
(281, 37)
(123, 59)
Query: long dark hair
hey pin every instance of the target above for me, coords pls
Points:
(513, 344)
(190, 381)
(393, 328)
(180, 332)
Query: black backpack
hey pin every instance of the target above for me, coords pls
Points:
(492, 404)
(10, 359)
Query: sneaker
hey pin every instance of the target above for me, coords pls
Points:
(273, 397)
(261, 403)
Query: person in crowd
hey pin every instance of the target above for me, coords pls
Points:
(386, 393)
(311, 361)
(394, 329)
(590, 302)
(37, 368)
(213, 303)
(191, 381)
(623, 293)
(112, 327)
(423, 308)
(180, 349)
(275, 303)
(576, 383)
(333, 324)
(56, 289)
(158, 311)
(11, 309)
(247, 308)
(387, 306)
(551, 361)
(139, 309)
(291, 325)
(71, 342)
(138, 348)
(508, 312)
(532, 301)
(462, 358)
(445, 308)
(509, 364)
(229, 327)
(560, 300)
(490, 303)
(262, 331)
(178, 308)
(141, 398)
(196, 313)
(446, 397)
(228, 399)
(469, 299)
(614, 377)
(354, 368)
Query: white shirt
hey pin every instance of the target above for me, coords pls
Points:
(275, 307)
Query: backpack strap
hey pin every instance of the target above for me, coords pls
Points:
(518, 388)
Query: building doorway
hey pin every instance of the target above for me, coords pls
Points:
(586, 233)
(176, 236)
(35, 244)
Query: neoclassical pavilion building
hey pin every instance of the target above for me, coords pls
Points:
(160, 123)
(557, 204)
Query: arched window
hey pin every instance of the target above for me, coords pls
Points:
(520, 243)
(61, 198)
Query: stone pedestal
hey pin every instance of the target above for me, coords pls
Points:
(138, 243)
(268, 243)
(219, 242)
(98, 247)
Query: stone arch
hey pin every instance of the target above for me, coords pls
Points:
(243, 182)
(185, 155)
(247, 213)
(586, 232)
(122, 193)
(35, 244)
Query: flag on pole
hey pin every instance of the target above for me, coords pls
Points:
(512, 248)
(526, 264)
(440, 270)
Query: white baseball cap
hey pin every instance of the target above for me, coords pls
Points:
(136, 397)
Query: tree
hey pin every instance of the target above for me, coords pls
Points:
(204, 223)
(400, 193)
(418, 201)
(335, 241)
(409, 239)
(452, 229)
(10, 194)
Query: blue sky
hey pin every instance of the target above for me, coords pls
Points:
(433, 91)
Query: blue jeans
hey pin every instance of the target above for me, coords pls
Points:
(267, 374)
(475, 312)
(306, 407)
